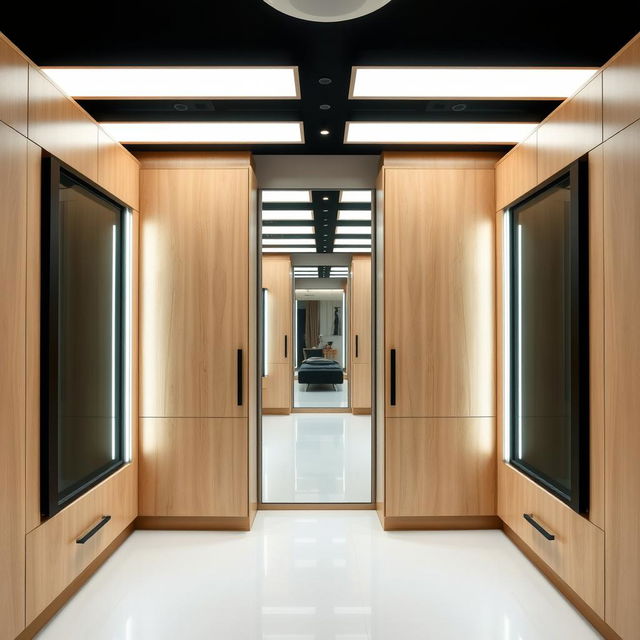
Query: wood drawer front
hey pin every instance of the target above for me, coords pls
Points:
(54, 558)
(576, 554)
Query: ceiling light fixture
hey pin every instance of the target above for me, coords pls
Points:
(290, 241)
(289, 250)
(128, 83)
(352, 229)
(354, 215)
(352, 250)
(273, 230)
(325, 198)
(205, 132)
(290, 195)
(352, 241)
(437, 132)
(324, 132)
(287, 215)
(498, 83)
(327, 10)
(355, 196)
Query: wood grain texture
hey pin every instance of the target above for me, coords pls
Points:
(14, 86)
(32, 506)
(118, 170)
(622, 372)
(572, 130)
(276, 388)
(194, 269)
(577, 553)
(440, 523)
(596, 337)
(439, 291)
(517, 172)
(500, 338)
(621, 90)
(194, 160)
(193, 467)
(380, 347)
(253, 406)
(60, 126)
(439, 159)
(360, 327)
(13, 244)
(193, 523)
(54, 559)
(440, 467)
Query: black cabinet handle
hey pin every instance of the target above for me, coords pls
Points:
(240, 377)
(357, 345)
(538, 527)
(392, 400)
(285, 346)
(93, 531)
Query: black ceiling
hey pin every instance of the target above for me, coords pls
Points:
(249, 32)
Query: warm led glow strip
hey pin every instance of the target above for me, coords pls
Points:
(177, 82)
(454, 83)
(437, 132)
(292, 195)
(287, 215)
(205, 132)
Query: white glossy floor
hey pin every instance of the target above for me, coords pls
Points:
(316, 457)
(320, 395)
(313, 575)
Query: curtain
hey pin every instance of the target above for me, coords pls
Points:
(312, 324)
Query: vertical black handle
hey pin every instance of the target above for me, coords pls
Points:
(285, 346)
(392, 400)
(240, 377)
(357, 350)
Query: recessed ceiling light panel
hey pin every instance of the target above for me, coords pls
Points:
(327, 10)
(354, 215)
(128, 83)
(289, 250)
(287, 215)
(290, 241)
(355, 196)
(352, 250)
(205, 132)
(277, 230)
(343, 229)
(437, 132)
(354, 241)
(288, 195)
(496, 83)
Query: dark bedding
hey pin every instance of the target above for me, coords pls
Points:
(320, 371)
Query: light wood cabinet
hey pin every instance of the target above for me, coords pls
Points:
(13, 244)
(54, 559)
(61, 127)
(439, 292)
(193, 467)
(621, 89)
(517, 172)
(622, 372)
(360, 332)
(14, 86)
(194, 270)
(278, 343)
(572, 130)
(440, 467)
(118, 170)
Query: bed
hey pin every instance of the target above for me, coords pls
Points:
(320, 371)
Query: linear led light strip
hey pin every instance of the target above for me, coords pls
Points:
(353, 230)
(455, 83)
(286, 195)
(177, 82)
(364, 216)
(355, 196)
(437, 132)
(205, 132)
(352, 250)
(275, 230)
(289, 250)
(288, 242)
(287, 215)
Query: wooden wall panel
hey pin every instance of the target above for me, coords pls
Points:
(621, 90)
(572, 130)
(440, 467)
(194, 291)
(439, 291)
(517, 172)
(360, 332)
(276, 387)
(622, 372)
(118, 170)
(13, 244)
(53, 557)
(193, 467)
(61, 127)
(277, 279)
(14, 86)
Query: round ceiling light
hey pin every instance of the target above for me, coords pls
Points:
(327, 10)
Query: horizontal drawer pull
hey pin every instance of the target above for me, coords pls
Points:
(538, 527)
(93, 531)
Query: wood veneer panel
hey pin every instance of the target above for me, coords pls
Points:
(360, 328)
(194, 292)
(277, 279)
(118, 170)
(60, 126)
(621, 89)
(440, 467)
(194, 160)
(440, 291)
(622, 372)
(517, 172)
(439, 159)
(193, 467)
(572, 130)
(276, 388)
(13, 243)
(14, 86)
(577, 553)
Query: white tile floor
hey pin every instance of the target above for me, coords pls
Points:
(320, 395)
(316, 457)
(312, 575)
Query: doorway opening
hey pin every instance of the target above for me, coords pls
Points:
(316, 330)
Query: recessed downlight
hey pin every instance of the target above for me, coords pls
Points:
(324, 132)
